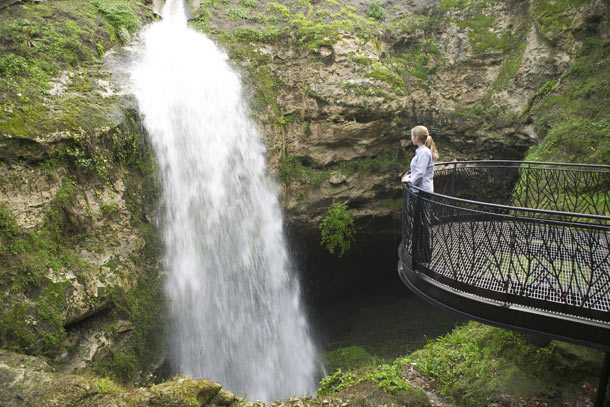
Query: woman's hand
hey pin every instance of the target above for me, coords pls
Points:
(406, 179)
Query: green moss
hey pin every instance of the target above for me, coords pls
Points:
(292, 169)
(144, 307)
(30, 320)
(572, 116)
(395, 205)
(449, 4)
(351, 357)
(43, 39)
(48, 312)
(121, 16)
(386, 74)
(367, 90)
(475, 363)
(252, 34)
(482, 38)
(552, 18)
(8, 226)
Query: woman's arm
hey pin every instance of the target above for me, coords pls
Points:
(418, 168)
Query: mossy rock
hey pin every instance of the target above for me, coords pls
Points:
(347, 358)
(179, 393)
(31, 381)
(369, 394)
(478, 364)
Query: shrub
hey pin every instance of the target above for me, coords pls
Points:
(375, 10)
(337, 228)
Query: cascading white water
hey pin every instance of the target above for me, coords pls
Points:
(234, 301)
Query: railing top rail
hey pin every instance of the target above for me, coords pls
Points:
(489, 164)
(517, 208)
(536, 163)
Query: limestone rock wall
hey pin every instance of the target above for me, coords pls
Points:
(337, 128)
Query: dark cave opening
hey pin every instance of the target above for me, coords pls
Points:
(359, 299)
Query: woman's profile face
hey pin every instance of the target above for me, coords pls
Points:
(413, 139)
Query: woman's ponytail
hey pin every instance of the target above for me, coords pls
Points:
(430, 144)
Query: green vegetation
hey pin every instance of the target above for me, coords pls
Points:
(107, 386)
(387, 376)
(26, 258)
(41, 41)
(482, 38)
(509, 69)
(383, 162)
(351, 357)
(337, 229)
(552, 18)
(480, 24)
(122, 18)
(572, 117)
(292, 169)
(475, 363)
(375, 10)
(386, 74)
(144, 307)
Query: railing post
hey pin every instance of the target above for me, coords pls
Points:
(414, 242)
(527, 184)
(453, 175)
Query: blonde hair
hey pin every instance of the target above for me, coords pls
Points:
(422, 134)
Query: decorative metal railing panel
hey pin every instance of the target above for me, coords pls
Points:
(528, 234)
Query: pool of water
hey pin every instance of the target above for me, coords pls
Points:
(384, 317)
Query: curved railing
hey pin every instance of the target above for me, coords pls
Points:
(523, 245)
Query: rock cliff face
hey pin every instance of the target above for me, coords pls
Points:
(335, 89)
(78, 251)
(344, 105)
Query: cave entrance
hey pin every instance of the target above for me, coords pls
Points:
(359, 300)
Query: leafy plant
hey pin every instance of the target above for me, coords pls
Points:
(337, 229)
(336, 381)
(387, 377)
(107, 386)
(375, 10)
(121, 17)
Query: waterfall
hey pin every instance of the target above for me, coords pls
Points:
(235, 303)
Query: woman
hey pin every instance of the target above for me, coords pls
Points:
(421, 176)
(422, 165)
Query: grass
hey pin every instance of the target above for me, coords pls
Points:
(572, 116)
(476, 363)
(42, 40)
(552, 18)
(387, 377)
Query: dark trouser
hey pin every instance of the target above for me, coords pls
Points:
(422, 232)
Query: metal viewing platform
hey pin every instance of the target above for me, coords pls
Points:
(521, 245)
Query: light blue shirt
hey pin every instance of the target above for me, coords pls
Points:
(422, 169)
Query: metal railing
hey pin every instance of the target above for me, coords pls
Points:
(535, 236)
